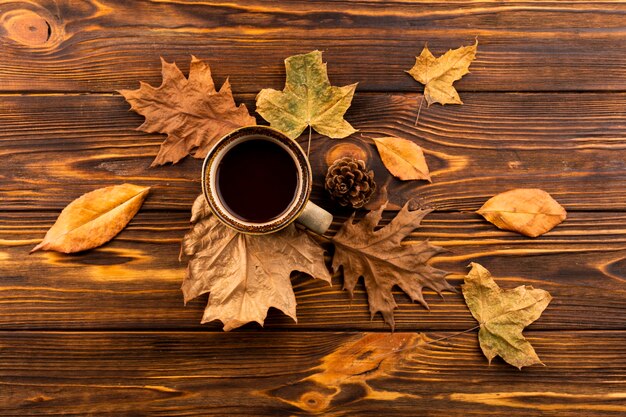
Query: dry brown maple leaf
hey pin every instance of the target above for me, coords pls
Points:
(94, 218)
(438, 74)
(403, 158)
(502, 315)
(189, 110)
(245, 274)
(529, 211)
(383, 261)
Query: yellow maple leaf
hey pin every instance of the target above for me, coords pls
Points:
(308, 99)
(502, 315)
(438, 74)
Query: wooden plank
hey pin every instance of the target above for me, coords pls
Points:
(134, 282)
(55, 148)
(112, 44)
(276, 373)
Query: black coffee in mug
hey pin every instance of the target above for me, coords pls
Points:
(257, 180)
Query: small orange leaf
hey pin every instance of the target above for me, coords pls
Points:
(403, 158)
(529, 211)
(94, 218)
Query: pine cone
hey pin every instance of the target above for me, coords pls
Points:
(349, 183)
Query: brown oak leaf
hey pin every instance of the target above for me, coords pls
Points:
(94, 218)
(245, 274)
(380, 257)
(502, 315)
(529, 211)
(190, 111)
(438, 74)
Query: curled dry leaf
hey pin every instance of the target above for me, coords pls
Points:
(403, 158)
(94, 218)
(503, 315)
(245, 274)
(438, 74)
(308, 99)
(529, 211)
(383, 261)
(190, 111)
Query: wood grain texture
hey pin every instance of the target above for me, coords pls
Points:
(134, 281)
(55, 148)
(108, 45)
(334, 374)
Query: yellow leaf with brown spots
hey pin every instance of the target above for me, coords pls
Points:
(503, 315)
(308, 99)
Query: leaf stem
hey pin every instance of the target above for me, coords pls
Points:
(308, 148)
(419, 109)
(453, 335)
(430, 342)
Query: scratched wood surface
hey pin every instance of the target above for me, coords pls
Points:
(105, 332)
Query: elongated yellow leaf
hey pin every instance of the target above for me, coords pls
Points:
(94, 218)
(438, 74)
(529, 211)
(403, 158)
(503, 315)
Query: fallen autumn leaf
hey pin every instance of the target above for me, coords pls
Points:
(502, 315)
(438, 74)
(403, 158)
(94, 218)
(308, 99)
(189, 110)
(529, 211)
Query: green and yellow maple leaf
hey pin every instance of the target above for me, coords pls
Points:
(502, 315)
(308, 99)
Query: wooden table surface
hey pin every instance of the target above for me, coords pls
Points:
(105, 332)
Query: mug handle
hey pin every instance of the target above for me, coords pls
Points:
(315, 218)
